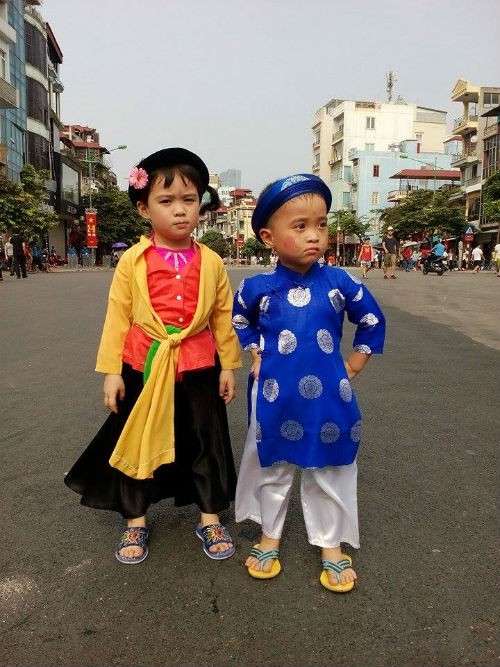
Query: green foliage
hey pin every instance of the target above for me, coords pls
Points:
(491, 198)
(349, 224)
(216, 242)
(21, 204)
(424, 212)
(117, 219)
(253, 247)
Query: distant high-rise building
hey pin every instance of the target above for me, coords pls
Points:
(231, 178)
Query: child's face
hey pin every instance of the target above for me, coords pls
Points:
(173, 212)
(298, 232)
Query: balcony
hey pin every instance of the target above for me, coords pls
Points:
(315, 167)
(491, 131)
(8, 95)
(336, 157)
(467, 155)
(396, 195)
(338, 135)
(465, 124)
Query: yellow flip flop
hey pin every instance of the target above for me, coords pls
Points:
(339, 567)
(262, 557)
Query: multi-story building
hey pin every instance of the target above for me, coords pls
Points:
(342, 125)
(231, 178)
(476, 133)
(83, 143)
(373, 174)
(12, 89)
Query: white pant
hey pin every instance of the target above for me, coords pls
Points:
(328, 495)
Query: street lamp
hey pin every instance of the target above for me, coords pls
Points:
(89, 163)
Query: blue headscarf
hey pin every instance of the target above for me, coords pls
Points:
(284, 190)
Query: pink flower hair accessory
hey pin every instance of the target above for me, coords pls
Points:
(138, 178)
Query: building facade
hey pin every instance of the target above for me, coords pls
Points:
(12, 89)
(373, 175)
(343, 125)
(479, 151)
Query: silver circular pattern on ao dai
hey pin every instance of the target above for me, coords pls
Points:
(362, 349)
(329, 433)
(287, 342)
(359, 295)
(299, 296)
(325, 341)
(291, 430)
(369, 320)
(310, 386)
(337, 299)
(270, 390)
(264, 304)
(345, 390)
(240, 322)
(356, 431)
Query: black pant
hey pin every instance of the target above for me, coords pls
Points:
(19, 265)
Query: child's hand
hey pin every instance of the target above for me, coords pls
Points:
(255, 369)
(227, 386)
(113, 387)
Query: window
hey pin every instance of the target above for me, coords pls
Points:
(370, 122)
(376, 170)
(347, 173)
(491, 99)
(37, 101)
(346, 199)
(3, 64)
(317, 137)
(316, 160)
(375, 198)
(369, 148)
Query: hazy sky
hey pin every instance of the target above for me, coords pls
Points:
(238, 81)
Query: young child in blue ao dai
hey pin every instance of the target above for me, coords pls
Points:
(304, 413)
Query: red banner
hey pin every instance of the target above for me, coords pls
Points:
(91, 223)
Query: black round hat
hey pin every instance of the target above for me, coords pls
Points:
(168, 157)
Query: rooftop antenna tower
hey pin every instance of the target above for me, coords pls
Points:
(390, 79)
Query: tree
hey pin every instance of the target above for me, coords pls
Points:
(216, 242)
(22, 204)
(424, 213)
(253, 247)
(349, 224)
(491, 198)
(117, 219)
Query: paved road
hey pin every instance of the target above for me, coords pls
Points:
(428, 565)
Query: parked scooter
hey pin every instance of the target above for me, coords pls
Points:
(434, 264)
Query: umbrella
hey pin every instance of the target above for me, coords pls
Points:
(119, 244)
(409, 243)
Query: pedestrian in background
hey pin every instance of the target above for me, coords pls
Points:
(19, 254)
(389, 245)
(365, 257)
(168, 351)
(303, 411)
(497, 258)
(9, 255)
(477, 259)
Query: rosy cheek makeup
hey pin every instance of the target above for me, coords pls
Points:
(289, 243)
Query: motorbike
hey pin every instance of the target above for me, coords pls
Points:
(434, 264)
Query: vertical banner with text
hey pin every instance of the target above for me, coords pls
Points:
(91, 224)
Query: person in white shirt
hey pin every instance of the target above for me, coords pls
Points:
(477, 259)
(497, 258)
